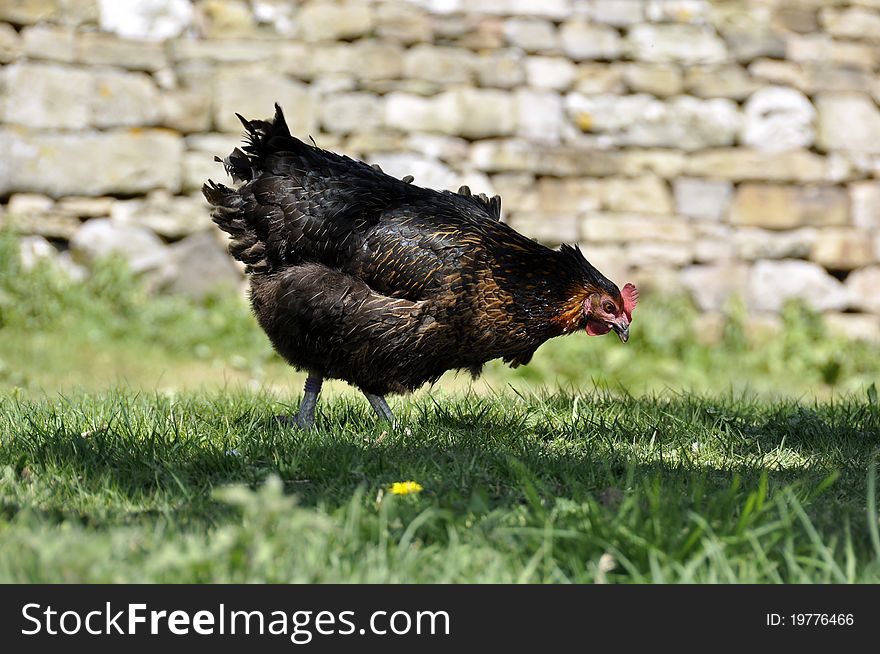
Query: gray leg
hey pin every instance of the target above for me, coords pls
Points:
(305, 417)
(380, 406)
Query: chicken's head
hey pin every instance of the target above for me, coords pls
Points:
(605, 311)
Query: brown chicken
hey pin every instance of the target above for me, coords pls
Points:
(360, 276)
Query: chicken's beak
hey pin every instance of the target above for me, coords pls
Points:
(622, 330)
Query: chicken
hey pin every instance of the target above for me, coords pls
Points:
(357, 275)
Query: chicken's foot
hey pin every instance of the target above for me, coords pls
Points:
(380, 406)
(305, 417)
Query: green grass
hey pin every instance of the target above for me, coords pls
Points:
(555, 488)
(137, 443)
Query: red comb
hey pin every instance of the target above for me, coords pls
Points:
(630, 296)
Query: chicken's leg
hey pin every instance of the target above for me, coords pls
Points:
(380, 406)
(305, 417)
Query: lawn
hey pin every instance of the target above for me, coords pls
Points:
(138, 443)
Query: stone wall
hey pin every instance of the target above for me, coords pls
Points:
(727, 147)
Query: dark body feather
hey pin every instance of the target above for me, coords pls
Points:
(357, 275)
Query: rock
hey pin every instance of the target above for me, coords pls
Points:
(821, 49)
(682, 44)
(796, 19)
(778, 119)
(46, 96)
(782, 207)
(773, 283)
(713, 285)
(554, 73)
(645, 194)
(744, 164)
(861, 288)
(34, 249)
(123, 98)
(225, 18)
(568, 195)
(857, 326)
(640, 120)
(848, 121)
(508, 155)
(706, 199)
(754, 243)
(657, 79)
(472, 113)
(169, 216)
(30, 12)
(82, 163)
(232, 51)
(865, 199)
(500, 68)
(100, 49)
(51, 225)
(665, 163)
(450, 149)
(196, 267)
(843, 248)
(253, 95)
(49, 42)
(29, 204)
(531, 34)
(678, 11)
(153, 20)
(350, 112)
(625, 227)
(647, 254)
(198, 167)
(852, 23)
(402, 23)
(325, 21)
(726, 81)
(10, 44)
(186, 110)
(85, 207)
(427, 172)
(443, 65)
(614, 12)
(782, 73)
(539, 115)
(582, 41)
(598, 78)
(548, 228)
(101, 237)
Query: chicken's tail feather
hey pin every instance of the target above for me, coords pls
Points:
(245, 244)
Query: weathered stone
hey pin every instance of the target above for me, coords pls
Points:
(253, 96)
(645, 194)
(677, 11)
(85, 207)
(10, 44)
(427, 172)
(783, 73)
(782, 207)
(124, 99)
(773, 283)
(500, 68)
(444, 65)
(861, 288)
(554, 73)
(714, 243)
(683, 44)
(593, 77)
(706, 199)
(46, 95)
(624, 227)
(401, 23)
(472, 113)
(531, 34)
(225, 18)
(657, 79)
(450, 149)
(29, 204)
(665, 163)
(778, 119)
(539, 115)
(50, 225)
(582, 41)
(521, 156)
(545, 227)
(754, 243)
(848, 121)
(852, 23)
(30, 12)
(567, 195)
(325, 21)
(120, 161)
(796, 18)
(49, 42)
(97, 48)
(33, 250)
(102, 237)
(234, 51)
(198, 167)
(857, 326)
(647, 254)
(196, 267)
(712, 286)
(640, 120)
(169, 216)
(484, 33)
(726, 81)
(153, 20)
(186, 110)
(547, 8)
(517, 192)
(742, 164)
(865, 199)
(350, 112)
(843, 248)
(614, 12)
(822, 49)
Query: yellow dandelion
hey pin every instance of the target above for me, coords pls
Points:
(405, 487)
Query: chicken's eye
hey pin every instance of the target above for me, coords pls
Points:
(608, 307)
